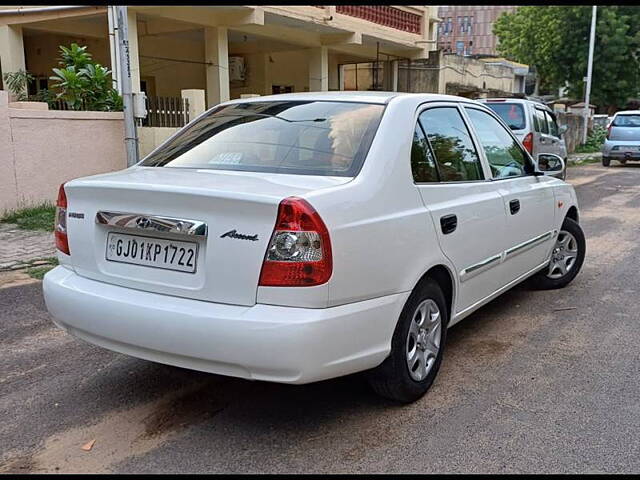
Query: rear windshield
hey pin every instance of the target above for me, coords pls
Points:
(511, 113)
(299, 137)
(627, 121)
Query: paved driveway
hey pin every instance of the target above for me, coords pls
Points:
(533, 382)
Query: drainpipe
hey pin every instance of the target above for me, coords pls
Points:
(24, 11)
(113, 48)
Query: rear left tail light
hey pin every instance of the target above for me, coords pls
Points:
(299, 253)
(62, 243)
(609, 131)
(528, 142)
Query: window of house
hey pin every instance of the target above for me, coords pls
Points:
(503, 153)
(469, 25)
(455, 154)
(423, 165)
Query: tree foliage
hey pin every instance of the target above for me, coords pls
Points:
(556, 41)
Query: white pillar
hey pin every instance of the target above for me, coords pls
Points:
(134, 57)
(11, 49)
(216, 54)
(319, 69)
(197, 103)
(394, 75)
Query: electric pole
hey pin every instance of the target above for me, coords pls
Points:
(130, 132)
(592, 41)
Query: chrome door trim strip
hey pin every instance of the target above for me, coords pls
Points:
(470, 309)
(479, 267)
(152, 223)
(524, 246)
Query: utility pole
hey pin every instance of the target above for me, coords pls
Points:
(130, 132)
(592, 41)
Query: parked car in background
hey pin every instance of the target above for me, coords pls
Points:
(623, 138)
(533, 123)
(299, 237)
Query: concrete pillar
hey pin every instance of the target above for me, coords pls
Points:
(197, 103)
(11, 49)
(394, 75)
(216, 53)
(134, 57)
(319, 69)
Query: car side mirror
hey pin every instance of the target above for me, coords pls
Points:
(553, 165)
(562, 129)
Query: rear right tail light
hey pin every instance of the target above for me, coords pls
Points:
(60, 231)
(528, 142)
(299, 253)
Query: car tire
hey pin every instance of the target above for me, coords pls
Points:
(623, 162)
(404, 376)
(570, 239)
(606, 161)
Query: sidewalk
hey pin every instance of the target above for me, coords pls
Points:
(19, 248)
(577, 158)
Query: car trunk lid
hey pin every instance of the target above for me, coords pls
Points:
(234, 213)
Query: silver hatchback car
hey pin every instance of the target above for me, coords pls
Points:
(533, 123)
(623, 138)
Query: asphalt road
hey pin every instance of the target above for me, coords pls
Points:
(534, 382)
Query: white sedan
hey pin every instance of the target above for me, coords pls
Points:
(299, 237)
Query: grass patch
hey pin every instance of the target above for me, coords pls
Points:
(40, 217)
(39, 271)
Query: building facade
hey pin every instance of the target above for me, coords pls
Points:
(227, 51)
(468, 30)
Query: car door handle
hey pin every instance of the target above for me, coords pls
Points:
(448, 223)
(514, 206)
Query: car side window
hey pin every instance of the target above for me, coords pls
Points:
(456, 157)
(553, 126)
(542, 121)
(503, 153)
(423, 165)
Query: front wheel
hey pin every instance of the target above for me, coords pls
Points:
(566, 260)
(606, 161)
(417, 347)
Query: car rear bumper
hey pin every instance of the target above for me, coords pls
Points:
(619, 150)
(262, 342)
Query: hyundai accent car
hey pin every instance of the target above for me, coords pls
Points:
(299, 237)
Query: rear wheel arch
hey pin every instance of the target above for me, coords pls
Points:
(445, 280)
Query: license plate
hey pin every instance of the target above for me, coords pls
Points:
(152, 252)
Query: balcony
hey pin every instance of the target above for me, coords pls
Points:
(383, 15)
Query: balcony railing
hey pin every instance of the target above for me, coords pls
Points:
(384, 15)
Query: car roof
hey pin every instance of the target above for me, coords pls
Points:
(350, 96)
(628, 112)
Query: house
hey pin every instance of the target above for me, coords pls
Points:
(226, 51)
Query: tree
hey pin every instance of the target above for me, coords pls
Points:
(555, 40)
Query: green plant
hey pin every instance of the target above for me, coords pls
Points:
(40, 217)
(17, 83)
(84, 84)
(74, 55)
(594, 142)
